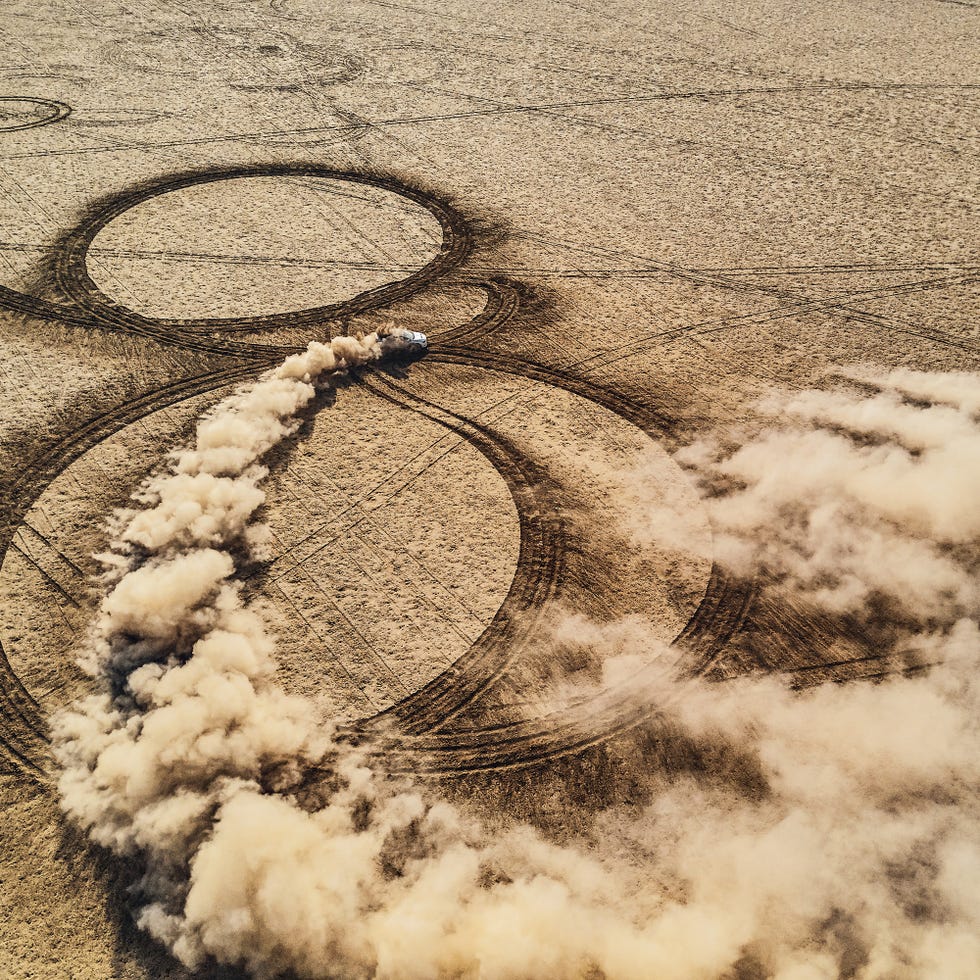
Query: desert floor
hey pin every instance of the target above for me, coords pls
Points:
(617, 223)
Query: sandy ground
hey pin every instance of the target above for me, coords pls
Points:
(665, 208)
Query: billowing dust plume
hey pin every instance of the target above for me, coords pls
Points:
(848, 846)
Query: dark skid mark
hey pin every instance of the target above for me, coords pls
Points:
(80, 302)
(418, 733)
(56, 112)
(24, 732)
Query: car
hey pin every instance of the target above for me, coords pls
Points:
(397, 340)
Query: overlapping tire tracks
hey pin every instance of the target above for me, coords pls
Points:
(417, 733)
(23, 742)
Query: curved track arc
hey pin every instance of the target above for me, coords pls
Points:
(539, 567)
(25, 739)
(421, 742)
(58, 111)
(72, 273)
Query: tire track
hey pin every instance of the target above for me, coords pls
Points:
(539, 567)
(87, 306)
(589, 722)
(643, 417)
(56, 112)
(72, 277)
(24, 739)
(423, 744)
(798, 304)
(503, 301)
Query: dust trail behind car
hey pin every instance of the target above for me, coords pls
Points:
(852, 852)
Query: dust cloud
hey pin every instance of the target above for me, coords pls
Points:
(854, 852)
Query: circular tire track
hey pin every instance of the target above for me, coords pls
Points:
(71, 271)
(87, 306)
(24, 738)
(417, 731)
(424, 743)
(56, 112)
